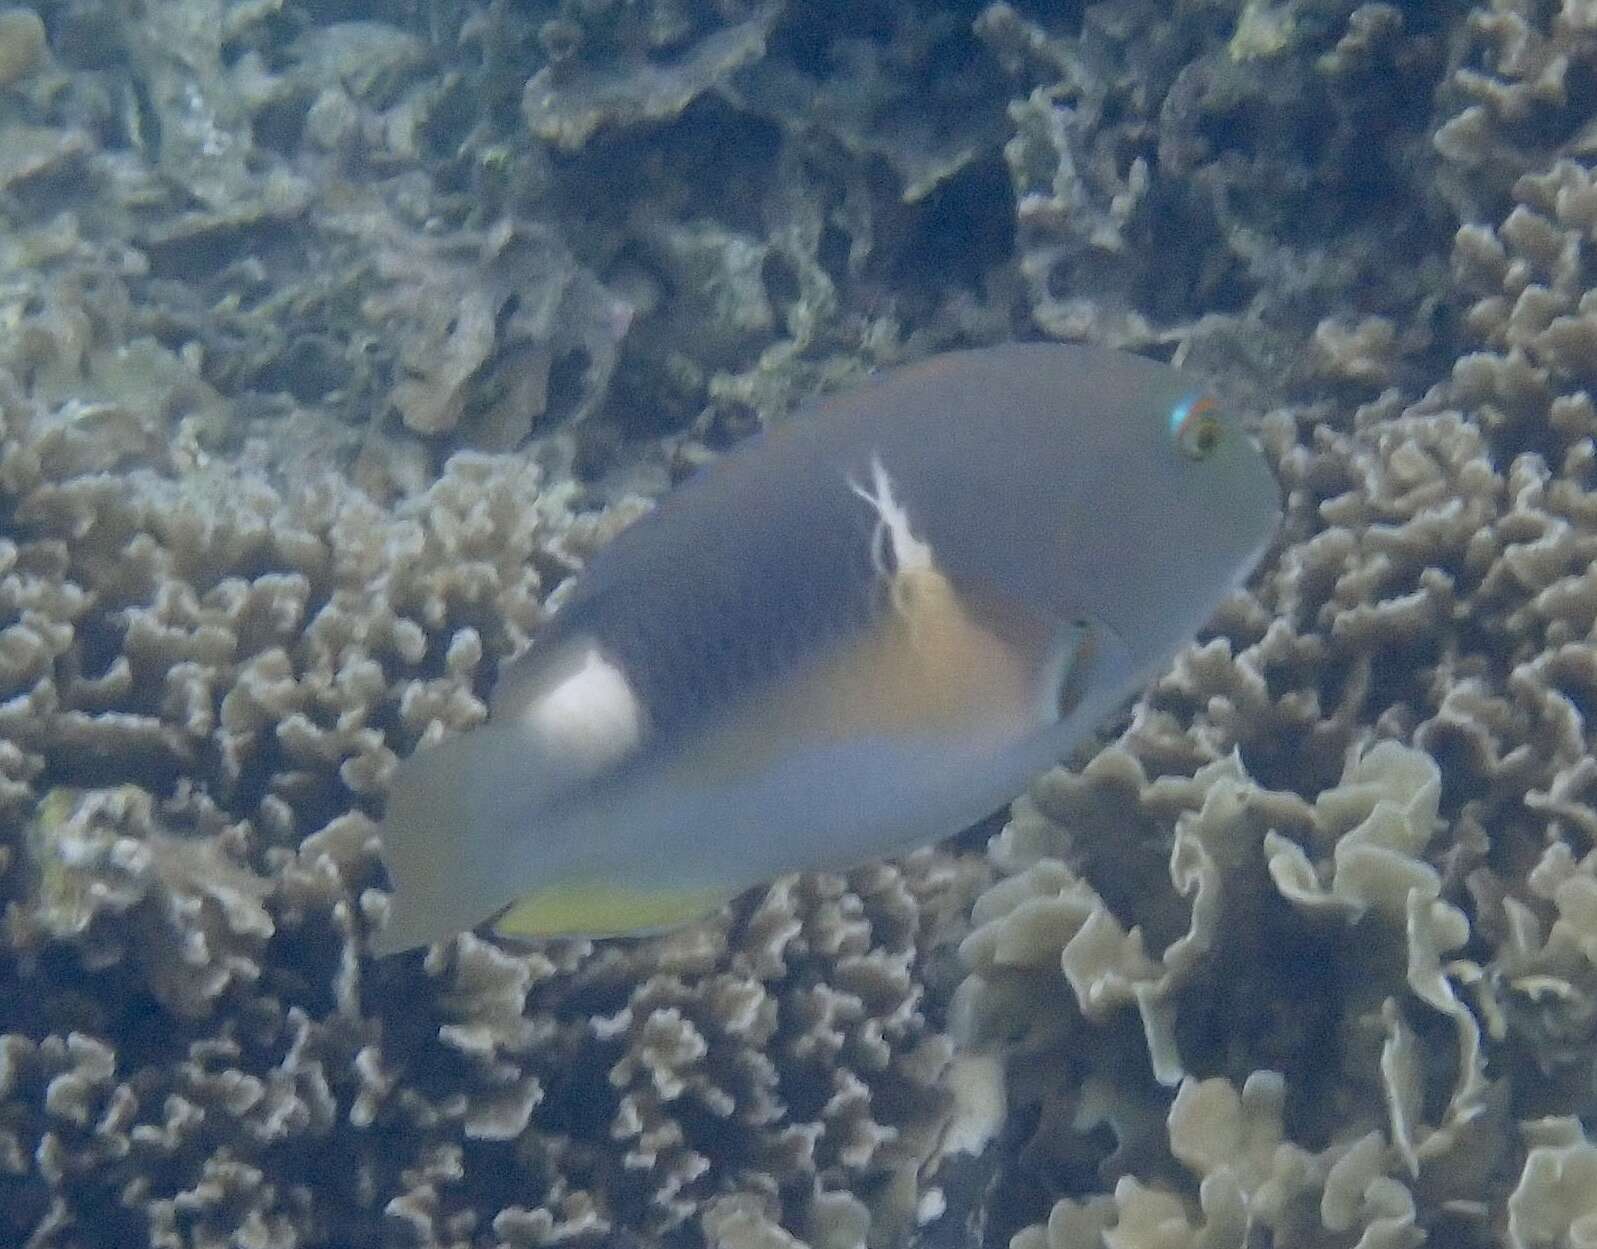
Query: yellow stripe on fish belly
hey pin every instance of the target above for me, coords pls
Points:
(597, 908)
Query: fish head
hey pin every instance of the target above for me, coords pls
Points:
(1126, 497)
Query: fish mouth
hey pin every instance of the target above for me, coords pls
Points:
(1251, 516)
(1266, 490)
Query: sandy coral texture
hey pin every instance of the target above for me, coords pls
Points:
(335, 339)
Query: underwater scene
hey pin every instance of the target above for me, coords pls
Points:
(762, 624)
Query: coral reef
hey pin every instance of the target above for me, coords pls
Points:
(254, 658)
(1304, 1005)
(335, 339)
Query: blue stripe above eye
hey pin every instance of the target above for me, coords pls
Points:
(1179, 414)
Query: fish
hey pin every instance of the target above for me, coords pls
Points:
(860, 632)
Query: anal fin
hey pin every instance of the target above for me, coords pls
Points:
(598, 908)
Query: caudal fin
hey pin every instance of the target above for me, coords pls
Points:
(443, 835)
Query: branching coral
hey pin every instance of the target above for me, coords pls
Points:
(209, 679)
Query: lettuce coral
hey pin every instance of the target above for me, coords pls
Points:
(331, 350)
(1553, 1204)
(1285, 973)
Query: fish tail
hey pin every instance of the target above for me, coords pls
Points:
(445, 830)
(475, 832)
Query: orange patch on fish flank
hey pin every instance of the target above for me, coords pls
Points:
(926, 666)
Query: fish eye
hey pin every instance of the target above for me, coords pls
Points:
(1196, 426)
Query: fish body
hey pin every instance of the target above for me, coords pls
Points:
(856, 634)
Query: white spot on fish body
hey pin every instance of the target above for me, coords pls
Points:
(591, 716)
